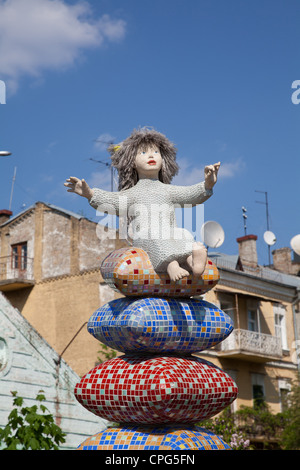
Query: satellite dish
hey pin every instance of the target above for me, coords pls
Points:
(269, 238)
(212, 234)
(295, 244)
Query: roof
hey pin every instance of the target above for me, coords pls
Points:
(51, 206)
(230, 262)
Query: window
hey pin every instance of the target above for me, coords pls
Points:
(227, 304)
(253, 316)
(19, 256)
(280, 327)
(258, 390)
(284, 387)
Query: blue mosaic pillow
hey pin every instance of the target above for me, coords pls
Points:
(160, 325)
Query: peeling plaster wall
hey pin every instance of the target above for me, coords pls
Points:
(56, 245)
(94, 244)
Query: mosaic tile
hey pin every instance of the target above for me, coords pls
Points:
(150, 389)
(129, 271)
(156, 324)
(154, 438)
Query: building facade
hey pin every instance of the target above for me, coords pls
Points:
(262, 352)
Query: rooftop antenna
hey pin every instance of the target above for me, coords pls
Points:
(268, 227)
(109, 165)
(245, 219)
(12, 187)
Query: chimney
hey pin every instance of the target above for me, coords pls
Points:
(282, 260)
(4, 216)
(247, 250)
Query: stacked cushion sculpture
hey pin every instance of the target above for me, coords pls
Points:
(157, 390)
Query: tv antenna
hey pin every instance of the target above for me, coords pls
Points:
(12, 187)
(109, 165)
(245, 219)
(268, 238)
(212, 234)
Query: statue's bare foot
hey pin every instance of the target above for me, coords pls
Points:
(197, 261)
(176, 272)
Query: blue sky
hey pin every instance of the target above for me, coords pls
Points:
(214, 76)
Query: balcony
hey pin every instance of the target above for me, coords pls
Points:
(16, 273)
(251, 346)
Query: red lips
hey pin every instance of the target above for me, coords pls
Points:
(152, 162)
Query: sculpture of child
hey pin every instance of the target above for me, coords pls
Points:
(146, 164)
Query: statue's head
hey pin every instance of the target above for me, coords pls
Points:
(124, 156)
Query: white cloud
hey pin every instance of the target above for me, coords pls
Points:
(36, 35)
(232, 169)
(103, 141)
(189, 174)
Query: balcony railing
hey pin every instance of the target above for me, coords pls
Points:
(252, 343)
(16, 269)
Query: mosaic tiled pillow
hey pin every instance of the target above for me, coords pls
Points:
(154, 438)
(129, 271)
(149, 389)
(154, 325)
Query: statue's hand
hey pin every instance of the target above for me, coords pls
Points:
(79, 187)
(211, 175)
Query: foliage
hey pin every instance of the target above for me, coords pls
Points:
(291, 433)
(30, 428)
(225, 427)
(107, 352)
(237, 429)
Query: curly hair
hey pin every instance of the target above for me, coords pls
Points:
(123, 156)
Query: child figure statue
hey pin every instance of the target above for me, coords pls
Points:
(146, 164)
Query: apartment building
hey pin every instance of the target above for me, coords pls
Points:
(262, 353)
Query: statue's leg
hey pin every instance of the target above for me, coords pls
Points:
(176, 272)
(197, 260)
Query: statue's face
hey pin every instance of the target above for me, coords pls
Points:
(148, 162)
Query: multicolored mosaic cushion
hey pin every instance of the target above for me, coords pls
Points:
(148, 389)
(154, 325)
(129, 271)
(154, 438)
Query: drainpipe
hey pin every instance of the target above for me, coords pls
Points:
(297, 342)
